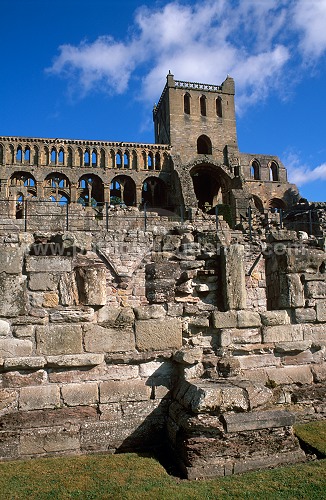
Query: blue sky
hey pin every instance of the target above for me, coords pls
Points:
(93, 70)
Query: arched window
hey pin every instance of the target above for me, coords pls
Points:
(219, 107)
(19, 155)
(150, 161)
(61, 156)
(126, 160)
(118, 160)
(157, 161)
(1, 153)
(69, 158)
(94, 158)
(79, 157)
(102, 158)
(53, 156)
(204, 145)
(86, 158)
(35, 155)
(203, 105)
(27, 154)
(273, 171)
(255, 170)
(134, 160)
(186, 104)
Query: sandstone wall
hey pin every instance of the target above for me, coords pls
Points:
(125, 339)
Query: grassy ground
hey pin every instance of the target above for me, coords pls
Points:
(130, 476)
(314, 435)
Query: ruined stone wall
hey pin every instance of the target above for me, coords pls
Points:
(126, 339)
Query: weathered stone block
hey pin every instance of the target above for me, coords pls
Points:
(11, 259)
(72, 360)
(160, 290)
(24, 331)
(43, 282)
(291, 291)
(49, 440)
(257, 420)
(24, 363)
(188, 355)
(226, 319)
(248, 319)
(19, 379)
(4, 328)
(8, 401)
(282, 333)
(9, 445)
(72, 315)
(100, 339)
(158, 334)
(321, 310)
(92, 285)
(275, 318)
(162, 270)
(315, 289)
(50, 299)
(12, 295)
(59, 339)
(80, 394)
(258, 361)
(230, 336)
(314, 333)
(117, 391)
(304, 259)
(39, 397)
(108, 314)
(11, 347)
(303, 315)
(290, 375)
(233, 276)
(319, 373)
(152, 311)
(48, 264)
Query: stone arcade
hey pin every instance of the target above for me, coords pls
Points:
(168, 294)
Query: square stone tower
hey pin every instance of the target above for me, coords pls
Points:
(196, 118)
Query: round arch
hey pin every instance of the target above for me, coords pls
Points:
(90, 190)
(123, 190)
(57, 187)
(204, 145)
(154, 192)
(211, 185)
(276, 204)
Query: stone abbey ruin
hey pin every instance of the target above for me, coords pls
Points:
(169, 294)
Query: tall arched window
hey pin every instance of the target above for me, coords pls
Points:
(186, 103)
(273, 171)
(255, 170)
(203, 105)
(204, 145)
(219, 107)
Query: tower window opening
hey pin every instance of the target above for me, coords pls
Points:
(186, 104)
(204, 145)
(273, 172)
(219, 107)
(203, 105)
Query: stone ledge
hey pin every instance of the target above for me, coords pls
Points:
(24, 363)
(87, 359)
(238, 422)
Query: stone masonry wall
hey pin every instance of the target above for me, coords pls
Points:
(129, 339)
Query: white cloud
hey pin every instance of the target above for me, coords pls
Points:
(300, 173)
(310, 19)
(203, 40)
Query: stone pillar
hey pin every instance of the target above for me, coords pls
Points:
(233, 277)
(39, 189)
(73, 193)
(107, 193)
(139, 190)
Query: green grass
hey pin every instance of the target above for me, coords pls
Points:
(130, 476)
(313, 434)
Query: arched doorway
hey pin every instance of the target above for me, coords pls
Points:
(210, 186)
(122, 191)
(57, 188)
(90, 190)
(154, 193)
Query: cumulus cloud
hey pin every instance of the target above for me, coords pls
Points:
(300, 173)
(207, 39)
(310, 20)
